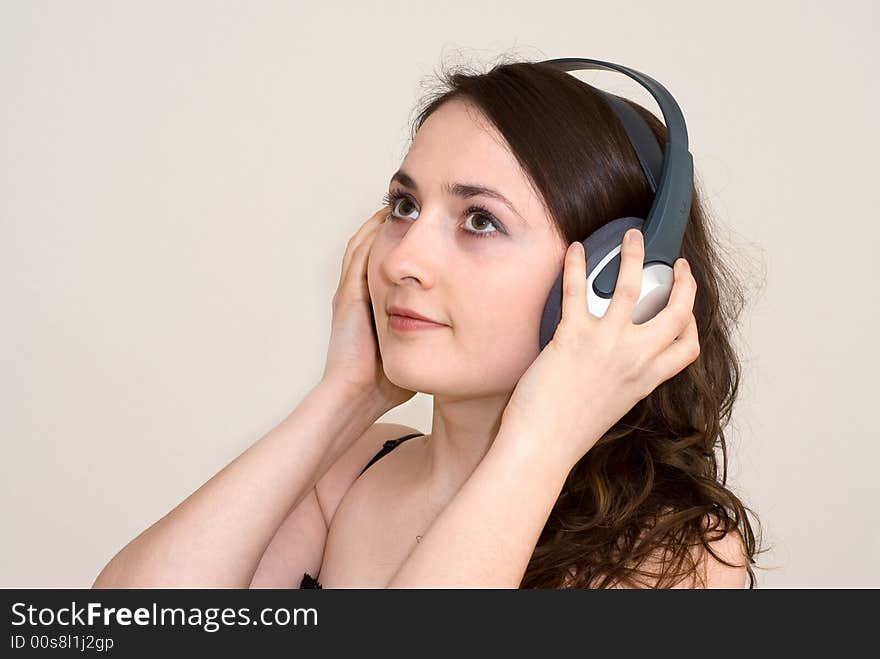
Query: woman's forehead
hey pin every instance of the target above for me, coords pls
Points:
(454, 147)
(456, 132)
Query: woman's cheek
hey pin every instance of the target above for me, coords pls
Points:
(382, 244)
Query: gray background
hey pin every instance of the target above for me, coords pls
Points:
(178, 182)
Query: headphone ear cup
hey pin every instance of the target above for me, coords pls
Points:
(597, 246)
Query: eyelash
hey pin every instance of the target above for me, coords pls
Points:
(392, 198)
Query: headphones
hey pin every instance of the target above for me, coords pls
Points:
(671, 178)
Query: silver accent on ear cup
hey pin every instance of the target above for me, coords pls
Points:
(656, 288)
(657, 281)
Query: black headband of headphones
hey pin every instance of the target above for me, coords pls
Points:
(671, 176)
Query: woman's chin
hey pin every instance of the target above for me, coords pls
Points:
(407, 377)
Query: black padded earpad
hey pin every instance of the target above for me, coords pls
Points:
(596, 247)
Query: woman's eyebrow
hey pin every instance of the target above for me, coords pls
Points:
(463, 190)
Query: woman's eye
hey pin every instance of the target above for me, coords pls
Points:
(480, 221)
(397, 202)
(476, 216)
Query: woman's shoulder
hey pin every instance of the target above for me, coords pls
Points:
(338, 479)
(711, 565)
(387, 434)
(709, 572)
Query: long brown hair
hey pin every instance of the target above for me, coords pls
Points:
(651, 485)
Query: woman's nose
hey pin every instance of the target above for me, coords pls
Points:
(415, 251)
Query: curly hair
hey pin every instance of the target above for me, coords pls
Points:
(651, 485)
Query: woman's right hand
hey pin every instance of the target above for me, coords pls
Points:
(353, 359)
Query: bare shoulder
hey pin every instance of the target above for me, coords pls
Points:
(712, 572)
(731, 549)
(337, 480)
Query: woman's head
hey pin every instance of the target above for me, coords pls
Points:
(551, 145)
(485, 274)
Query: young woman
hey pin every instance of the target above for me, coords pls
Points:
(588, 464)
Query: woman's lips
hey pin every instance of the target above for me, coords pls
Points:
(407, 324)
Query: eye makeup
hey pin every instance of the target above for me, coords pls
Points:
(394, 196)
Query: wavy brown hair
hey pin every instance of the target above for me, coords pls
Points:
(650, 487)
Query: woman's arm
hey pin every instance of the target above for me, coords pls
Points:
(217, 536)
(487, 533)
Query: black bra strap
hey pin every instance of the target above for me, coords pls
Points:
(389, 446)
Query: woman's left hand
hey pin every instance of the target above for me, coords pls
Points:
(594, 370)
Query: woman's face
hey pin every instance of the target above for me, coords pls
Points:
(487, 277)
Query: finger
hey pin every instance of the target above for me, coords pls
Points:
(372, 224)
(673, 318)
(353, 285)
(574, 284)
(358, 274)
(629, 279)
(355, 276)
(683, 351)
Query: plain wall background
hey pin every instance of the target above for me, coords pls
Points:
(178, 182)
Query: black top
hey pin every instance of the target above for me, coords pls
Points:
(308, 581)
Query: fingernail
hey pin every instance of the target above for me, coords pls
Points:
(634, 236)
